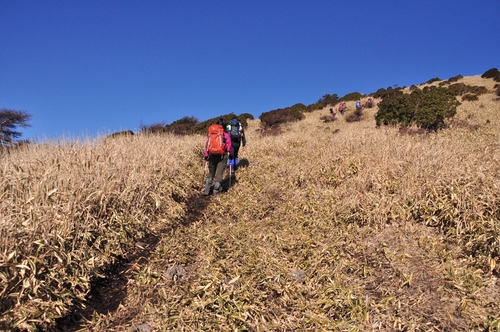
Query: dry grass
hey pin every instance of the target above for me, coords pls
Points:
(330, 226)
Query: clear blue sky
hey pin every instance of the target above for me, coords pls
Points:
(87, 68)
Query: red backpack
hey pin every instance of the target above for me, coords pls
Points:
(216, 143)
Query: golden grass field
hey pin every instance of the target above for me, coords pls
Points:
(330, 227)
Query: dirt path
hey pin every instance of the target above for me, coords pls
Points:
(108, 293)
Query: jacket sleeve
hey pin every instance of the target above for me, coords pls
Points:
(229, 145)
(205, 151)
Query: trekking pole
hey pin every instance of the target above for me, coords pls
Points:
(204, 174)
(230, 169)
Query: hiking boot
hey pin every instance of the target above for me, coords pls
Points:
(217, 188)
(207, 186)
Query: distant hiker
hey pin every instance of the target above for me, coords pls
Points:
(238, 138)
(369, 103)
(217, 148)
(332, 112)
(359, 106)
(342, 108)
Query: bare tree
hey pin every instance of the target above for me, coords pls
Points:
(10, 120)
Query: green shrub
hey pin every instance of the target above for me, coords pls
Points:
(190, 125)
(202, 127)
(432, 106)
(323, 102)
(393, 110)
(298, 107)
(328, 118)
(432, 80)
(328, 99)
(455, 78)
(382, 93)
(470, 97)
(183, 126)
(275, 118)
(427, 108)
(313, 107)
(244, 117)
(353, 96)
(451, 80)
(492, 73)
(459, 89)
(155, 128)
(355, 116)
(479, 90)
(113, 135)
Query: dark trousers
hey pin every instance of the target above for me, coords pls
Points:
(216, 165)
(236, 148)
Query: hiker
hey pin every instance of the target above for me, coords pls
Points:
(332, 112)
(359, 107)
(342, 108)
(238, 139)
(217, 148)
(369, 103)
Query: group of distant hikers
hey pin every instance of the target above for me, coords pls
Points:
(359, 106)
(221, 150)
(224, 141)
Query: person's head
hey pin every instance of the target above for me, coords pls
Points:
(221, 122)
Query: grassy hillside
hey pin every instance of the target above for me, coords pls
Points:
(330, 226)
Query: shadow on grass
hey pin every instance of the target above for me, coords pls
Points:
(108, 292)
(228, 182)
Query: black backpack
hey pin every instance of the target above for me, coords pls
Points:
(235, 130)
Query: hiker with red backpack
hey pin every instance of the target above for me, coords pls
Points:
(342, 108)
(238, 139)
(217, 150)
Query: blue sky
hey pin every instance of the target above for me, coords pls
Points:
(88, 68)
